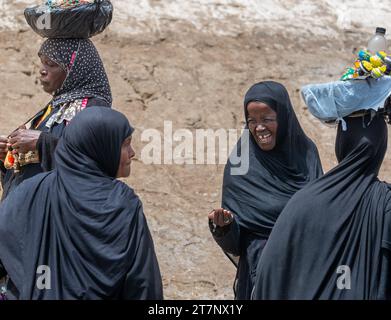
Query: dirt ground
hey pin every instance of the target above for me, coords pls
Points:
(197, 80)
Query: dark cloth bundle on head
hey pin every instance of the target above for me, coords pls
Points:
(258, 197)
(333, 239)
(69, 18)
(78, 220)
(86, 73)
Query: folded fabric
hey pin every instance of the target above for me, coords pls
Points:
(335, 100)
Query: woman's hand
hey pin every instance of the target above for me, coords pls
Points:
(221, 217)
(3, 147)
(23, 141)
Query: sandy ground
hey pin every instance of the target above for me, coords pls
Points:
(191, 63)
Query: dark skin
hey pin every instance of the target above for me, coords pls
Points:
(52, 77)
(3, 147)
(221, 217)
(127, 153)
(262, 123)
(23, 140)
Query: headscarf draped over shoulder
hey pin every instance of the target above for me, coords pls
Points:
(333, 239)
(86, 226)
(258, 196)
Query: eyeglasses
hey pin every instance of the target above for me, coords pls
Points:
(263, 122)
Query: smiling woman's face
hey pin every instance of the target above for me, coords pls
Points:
(262, 123)
(52, 76)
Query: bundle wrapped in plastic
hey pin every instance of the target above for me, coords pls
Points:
(70, 18)
(335, 100)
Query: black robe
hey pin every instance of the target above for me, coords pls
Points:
(258, 197)
(79, 221)
(333, 239)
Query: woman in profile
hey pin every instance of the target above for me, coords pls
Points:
(78, 223)
(73, 73)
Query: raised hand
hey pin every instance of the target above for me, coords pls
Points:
(221, 217)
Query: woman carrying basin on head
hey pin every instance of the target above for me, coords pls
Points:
(73, 73)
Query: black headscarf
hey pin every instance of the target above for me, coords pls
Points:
(88, 227)
(338, 224)
(86, 76)
(258, 197)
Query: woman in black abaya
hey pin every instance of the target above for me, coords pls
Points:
(333, 239)
(282, 160)
(79, 222)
